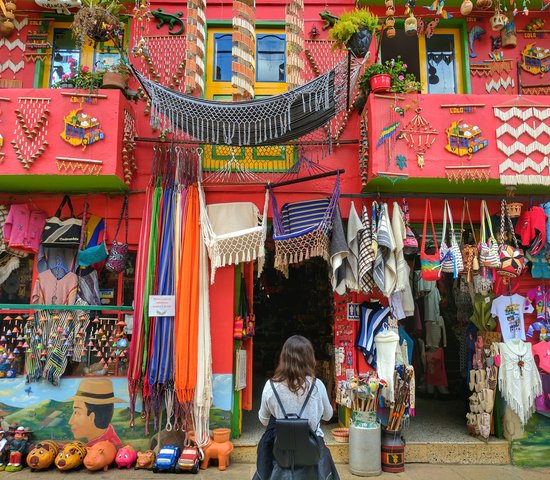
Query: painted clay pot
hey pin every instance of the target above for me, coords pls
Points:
(115, 80)
(466, 7)
(498, 20)
(411, 26)
(6, 28)
(484, 4)
(390, 32)
(380, 83)
(390, 22)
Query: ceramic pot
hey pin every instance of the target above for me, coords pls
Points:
(221, 435)
(115, 80)
(6, 28)
(484, 4)
(466, 8)
(390, 22)
(380, 83)
(498, 20)
(411, 26)
(390, 32)
(359, 43)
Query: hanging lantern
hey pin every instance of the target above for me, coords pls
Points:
(411, 25)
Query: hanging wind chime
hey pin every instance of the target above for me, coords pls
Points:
(419, 135)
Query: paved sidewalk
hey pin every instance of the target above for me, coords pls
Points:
(244, 471)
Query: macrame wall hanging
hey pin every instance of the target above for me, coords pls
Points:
(364, 152)
(244, 49)
(31, 129)
(11, 55)
(528, 144)
(419, 135)
(195, 47)
(294, 29)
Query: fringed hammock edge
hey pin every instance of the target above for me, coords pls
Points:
(265, 121)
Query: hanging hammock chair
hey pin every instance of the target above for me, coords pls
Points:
(233, 232)
(301, 230)
(264, 121)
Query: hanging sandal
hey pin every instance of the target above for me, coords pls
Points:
(477, 420)
(472, 383)
(470, 424)
(485, 425)
(482, 379)
(488, 400)
(474, 403)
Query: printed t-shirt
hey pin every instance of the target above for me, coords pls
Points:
(510, 310)
(540, 299)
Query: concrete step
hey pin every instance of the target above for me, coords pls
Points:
(493, 452)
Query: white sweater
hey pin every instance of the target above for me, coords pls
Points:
(318, 407)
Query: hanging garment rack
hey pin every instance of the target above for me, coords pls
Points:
(332, 173)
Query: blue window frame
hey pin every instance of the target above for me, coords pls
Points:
(270, 58)
(222, 57)
(441, 60)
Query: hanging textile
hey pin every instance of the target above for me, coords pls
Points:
(301, 230)
(244, 48)
(137, 342)
(233, 232)
(265, 121)
(195, 47)
(294, 30)
(187, 303)
(159, 370)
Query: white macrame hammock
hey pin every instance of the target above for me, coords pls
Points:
(243, 241)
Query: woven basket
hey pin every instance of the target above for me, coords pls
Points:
(341, 435)
(514, 209)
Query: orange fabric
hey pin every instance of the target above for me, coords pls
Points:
(187, 303)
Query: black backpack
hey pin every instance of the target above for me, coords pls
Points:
(296, 444)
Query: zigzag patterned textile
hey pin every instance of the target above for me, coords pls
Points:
(244, 46)
(195, 40)
(266, 121)
(294, 43)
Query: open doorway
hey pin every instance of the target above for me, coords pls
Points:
(301, 304)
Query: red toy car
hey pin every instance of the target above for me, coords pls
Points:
(189, 460)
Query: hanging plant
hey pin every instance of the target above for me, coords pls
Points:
(98, 20)
(354, 30)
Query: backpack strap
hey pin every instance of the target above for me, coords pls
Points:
(281, 403)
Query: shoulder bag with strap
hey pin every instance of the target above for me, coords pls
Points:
(90, 255)
(451, 257)
(60, 232)
(296, 444)
(410, 242)
(469, 252)
(489, 255)
(116, 261)
(429, 263)
(511, 259)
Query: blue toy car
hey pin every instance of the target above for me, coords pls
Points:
(167, 459)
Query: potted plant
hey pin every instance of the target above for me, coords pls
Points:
(80, 77)
(376, 78)
(401, 81)
(354, 30)
(97, 20)
(116, 76)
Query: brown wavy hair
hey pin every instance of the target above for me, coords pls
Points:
(296, 362)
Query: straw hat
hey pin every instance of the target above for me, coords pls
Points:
(96, 392)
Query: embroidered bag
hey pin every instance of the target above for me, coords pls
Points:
(451, 258)
(244, 322)
(119, 251)
(91, 254)
(469, 252)
(410, 243)
(429, 263)
(296, 444)
(511, 259)
(62, 232)
(488, 247)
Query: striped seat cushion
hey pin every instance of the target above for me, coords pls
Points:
(298, 216)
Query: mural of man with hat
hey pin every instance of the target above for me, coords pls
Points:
(93, 407)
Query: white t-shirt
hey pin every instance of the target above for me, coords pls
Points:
(510, 310)
(318, 406)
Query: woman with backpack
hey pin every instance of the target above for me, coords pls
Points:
(293, 404)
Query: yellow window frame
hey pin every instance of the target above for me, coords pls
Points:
(260, 159)
(87, 51)
(459, 58)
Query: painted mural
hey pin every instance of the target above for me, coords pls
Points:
(533, 449)
(90, 409)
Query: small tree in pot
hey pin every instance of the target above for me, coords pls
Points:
(354, 30)
(116, 76)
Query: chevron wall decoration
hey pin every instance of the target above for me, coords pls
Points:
(501, 83)
(10, 45)
(521, 113)
(534, 132)
(520, 167)
(525, 180)
(9, 65)
(528, 149)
